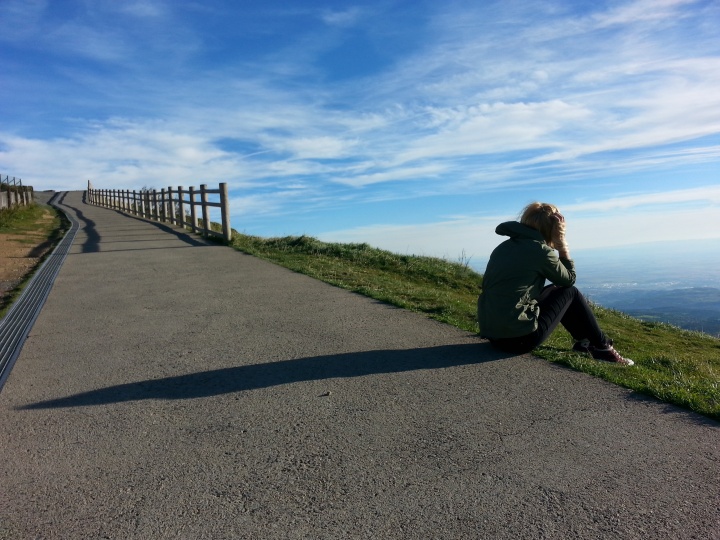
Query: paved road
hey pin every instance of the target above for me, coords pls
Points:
(173, 389)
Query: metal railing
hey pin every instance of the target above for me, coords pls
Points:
(13, 193)
(175, 205)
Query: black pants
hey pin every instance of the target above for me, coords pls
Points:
(565, 305)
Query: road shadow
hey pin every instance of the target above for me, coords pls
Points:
(93, 237)
(255, 376)
(186, 237)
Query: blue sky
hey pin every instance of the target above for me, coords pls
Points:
(415, 126)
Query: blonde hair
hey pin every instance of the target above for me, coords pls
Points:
(539, 216)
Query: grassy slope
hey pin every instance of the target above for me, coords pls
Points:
(674, 365)
(31, 223)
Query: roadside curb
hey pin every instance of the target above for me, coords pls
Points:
(17, 323)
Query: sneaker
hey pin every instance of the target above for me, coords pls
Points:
(583, 346)
(609, 354)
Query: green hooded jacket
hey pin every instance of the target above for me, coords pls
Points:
(515, 277)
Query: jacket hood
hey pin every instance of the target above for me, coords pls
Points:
(515, 229)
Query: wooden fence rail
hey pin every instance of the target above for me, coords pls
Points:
(177, 206)
(13, 193)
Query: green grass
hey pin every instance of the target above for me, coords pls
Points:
(673, 365)
(19, 218)
(36, 225)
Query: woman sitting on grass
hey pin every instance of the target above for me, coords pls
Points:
(516, 311)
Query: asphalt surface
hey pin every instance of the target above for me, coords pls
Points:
(175, 389)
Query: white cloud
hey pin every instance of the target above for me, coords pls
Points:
(446, 239)
(641, 10)
(99, 44)
(390, 175)
(671, 224)
(709, 195)
(492, 128)
(345, 18)
(602, 224)
(142, 8)
(120, 155)
(316, 147)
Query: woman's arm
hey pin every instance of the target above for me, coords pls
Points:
(560, 272)
(559, 268)
(558, 240)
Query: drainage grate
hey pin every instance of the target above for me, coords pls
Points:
(16, 325)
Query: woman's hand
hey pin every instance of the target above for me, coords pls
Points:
(558, 236)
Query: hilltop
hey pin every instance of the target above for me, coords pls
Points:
(672, 364)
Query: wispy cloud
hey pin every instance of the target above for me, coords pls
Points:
(344, 18)
(641, 10)
(708, 195)
(142, 8)
(674, 216)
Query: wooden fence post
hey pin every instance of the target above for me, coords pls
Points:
(181, 207)
(193, 212)
(172, 205)
(225, 211)
(163, 206)
(205, 214)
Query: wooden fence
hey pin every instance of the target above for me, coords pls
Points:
(177, 206)
(13, 193)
